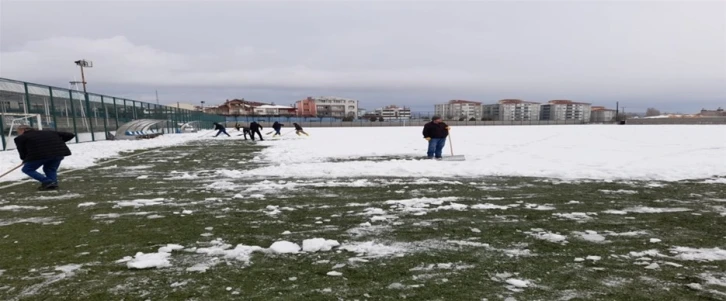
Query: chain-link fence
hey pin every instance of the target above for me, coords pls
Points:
(417, 119)
(92, 117)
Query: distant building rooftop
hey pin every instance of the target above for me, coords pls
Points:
(515, 101)
(566, 102)
(461, 101)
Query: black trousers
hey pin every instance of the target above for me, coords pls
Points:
(258, 133)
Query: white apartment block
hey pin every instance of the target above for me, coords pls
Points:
(602, 115)
(560, 110)
(457, 109)
(511, 110)
(394, 113)
(336, 106)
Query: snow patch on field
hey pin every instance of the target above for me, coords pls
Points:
(139, 203)
(575, 216)
(420, 206)
(548, 236)
(370, 249)
(319, 244)
(591, 236)
(563, 147)
(31, 220)
(19, 208)
(699, 254)
(57, 198)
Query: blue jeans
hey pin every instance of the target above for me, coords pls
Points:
(436, 145)
(50, 168)
(277, 132)
(221, 131)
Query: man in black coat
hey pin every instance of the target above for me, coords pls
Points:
(255, 128)
(277, 127)
(435, 132)
(299, 129)
(220, 129)
(42, 148)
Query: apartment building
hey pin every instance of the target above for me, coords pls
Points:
(327, 106)
(600, 114)
(458, 109)
(511, 110)
(393, 112)
(560, 110)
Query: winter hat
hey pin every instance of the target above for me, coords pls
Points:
(436, 117)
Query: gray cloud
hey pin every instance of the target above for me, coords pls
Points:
(666, 54)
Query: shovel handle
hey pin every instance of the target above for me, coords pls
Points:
(451, 145)
(16, 167)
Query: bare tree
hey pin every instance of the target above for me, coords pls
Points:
(652, 112)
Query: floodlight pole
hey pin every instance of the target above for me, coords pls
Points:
(83, 63)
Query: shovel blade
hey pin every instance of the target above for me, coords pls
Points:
(454, 158)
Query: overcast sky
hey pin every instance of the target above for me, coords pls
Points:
(670, 55)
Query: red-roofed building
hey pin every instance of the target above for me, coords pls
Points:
(599, 114)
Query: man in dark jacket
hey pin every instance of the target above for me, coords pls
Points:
(255, 128)
(299, 129)
(435, 132)
(42, 148)
(220, 129)
(277, 127)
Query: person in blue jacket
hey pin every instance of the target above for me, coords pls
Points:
(277, 127)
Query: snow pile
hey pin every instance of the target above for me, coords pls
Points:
(151, 260)
(591, 236)
(68, 269)
(218, 247)
(714, 279)
(284, 247)
(87, 154)
(370, 249)
(86, 204)
(548, 236)
(567, 149)
(513, 284)
(419, 206)
(702, 254)
(319, 244)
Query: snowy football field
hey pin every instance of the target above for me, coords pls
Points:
(534, 213)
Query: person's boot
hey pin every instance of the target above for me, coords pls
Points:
(48, 186)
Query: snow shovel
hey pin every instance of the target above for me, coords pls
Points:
(16, 167)
(453, 157)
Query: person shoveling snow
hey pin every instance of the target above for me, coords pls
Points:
(436, 132)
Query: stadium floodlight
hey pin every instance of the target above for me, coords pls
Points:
(84, 64)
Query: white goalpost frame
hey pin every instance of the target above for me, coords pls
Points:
(17, 119)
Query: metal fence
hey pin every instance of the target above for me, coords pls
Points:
(327, 122)
(88, 115)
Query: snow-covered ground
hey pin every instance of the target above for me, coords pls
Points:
(600, 152)
(86, 154)
(603, 152)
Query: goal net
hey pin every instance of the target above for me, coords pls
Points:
(11, 121)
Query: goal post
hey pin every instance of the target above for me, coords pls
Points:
(11, 121)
